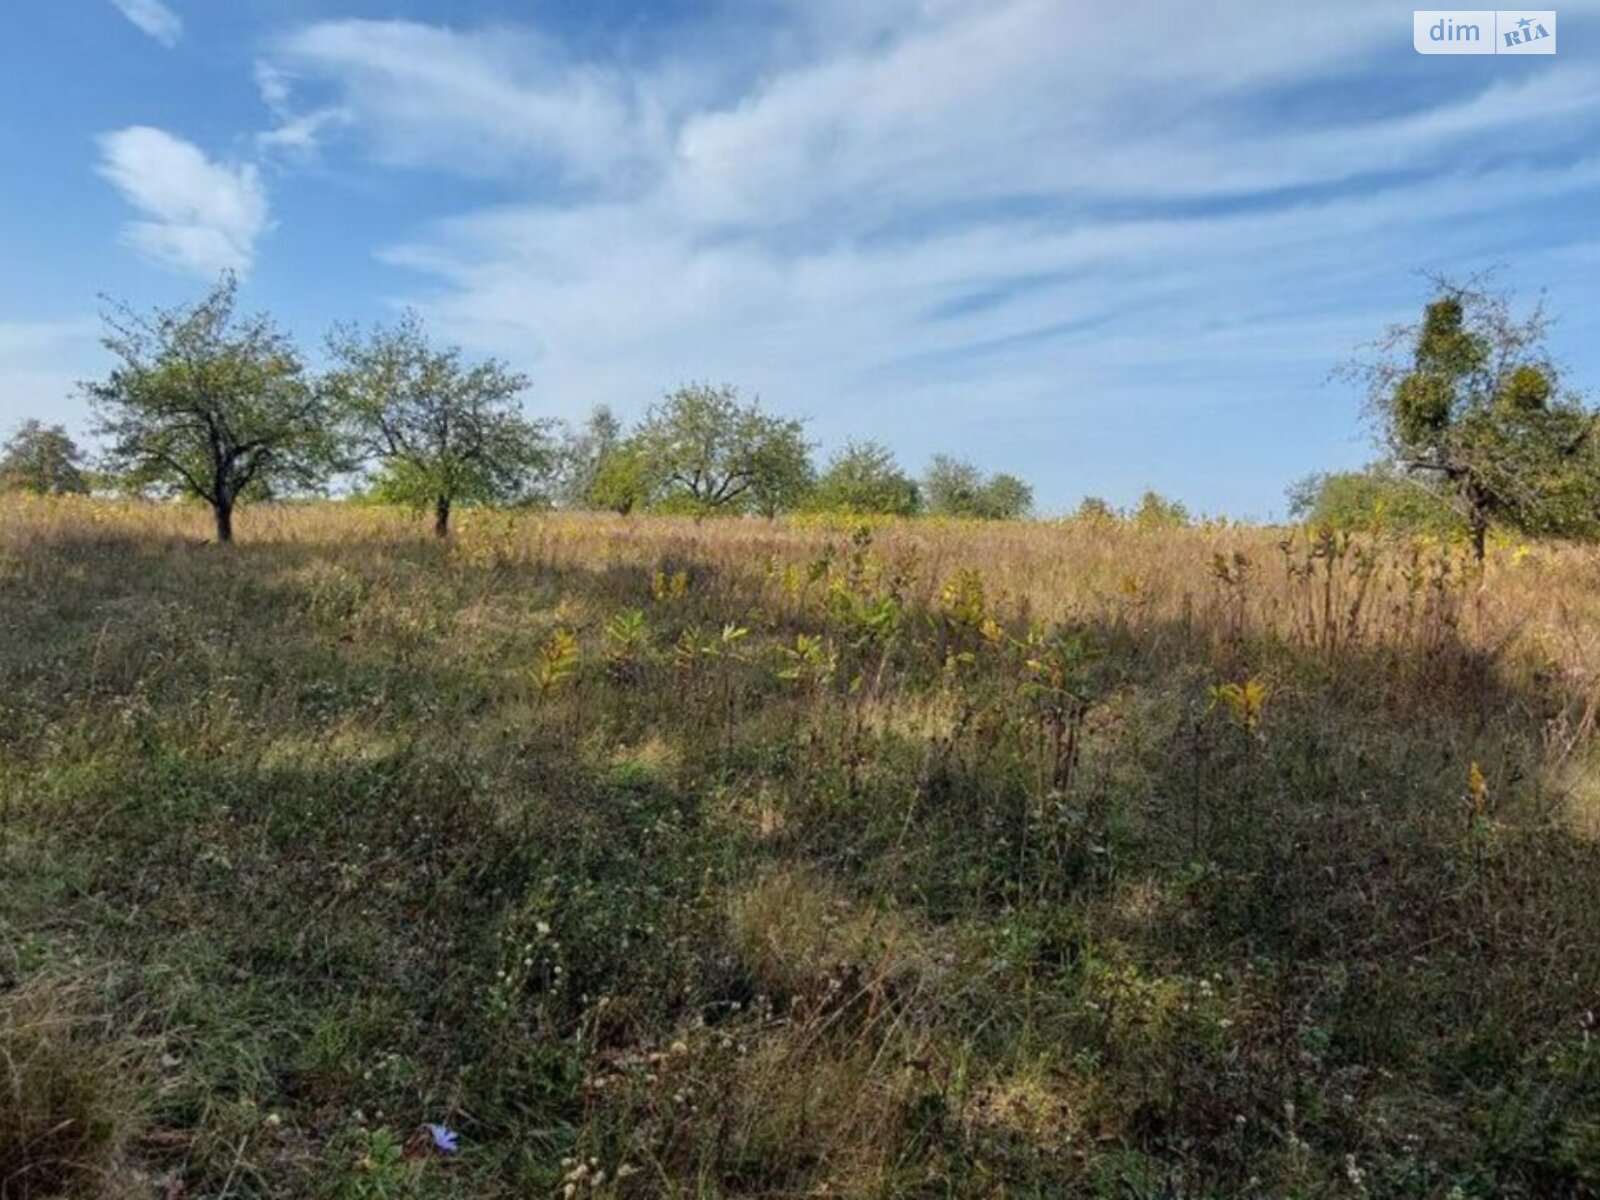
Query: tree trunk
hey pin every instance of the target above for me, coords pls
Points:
(223, 511)
(441, 517)
(1477, 506)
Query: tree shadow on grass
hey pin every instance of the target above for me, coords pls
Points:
(348, 867)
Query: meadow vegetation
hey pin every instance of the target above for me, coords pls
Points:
(732, 858)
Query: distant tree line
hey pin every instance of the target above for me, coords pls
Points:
(703, 449)
(1471, 413)
(211, 403)
(1154, 511)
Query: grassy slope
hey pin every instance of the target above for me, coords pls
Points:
(929, 864)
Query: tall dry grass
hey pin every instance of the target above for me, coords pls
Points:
(748, 859)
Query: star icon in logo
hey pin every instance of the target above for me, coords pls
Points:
(1524, 23)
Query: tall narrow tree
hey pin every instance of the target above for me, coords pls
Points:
(208, 403)
(443, 432)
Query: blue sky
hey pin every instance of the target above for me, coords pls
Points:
(1106, 247)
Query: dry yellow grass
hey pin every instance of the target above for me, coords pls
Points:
(740, 858)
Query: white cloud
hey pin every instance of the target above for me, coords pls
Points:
(296, 133)
(615, 306)
(153, 18)
(490, 103)
(301, 133)
(196, 215)
(275, 86)
(879, 212)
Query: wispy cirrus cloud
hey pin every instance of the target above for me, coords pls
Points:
(195, 215)
(503, 101)
(875, 216)
(153, 18)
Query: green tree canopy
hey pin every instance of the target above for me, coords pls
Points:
(1373, 500)
(1469, 398)
(1095, 509)
(707, 450)
(955, 488)
(1155, 511)
(864, 478)
(1005, 498)
(208, 403)
(443, 432)
(623, 479)
(42, 459)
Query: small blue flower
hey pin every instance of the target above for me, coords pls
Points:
(444, 1138)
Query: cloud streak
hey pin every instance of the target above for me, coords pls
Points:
(488, 104)
(153, 18)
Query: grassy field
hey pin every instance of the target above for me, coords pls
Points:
(749, 859)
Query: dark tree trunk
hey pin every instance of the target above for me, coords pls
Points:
(223, 511)
(441, 517)
(1477, 515)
